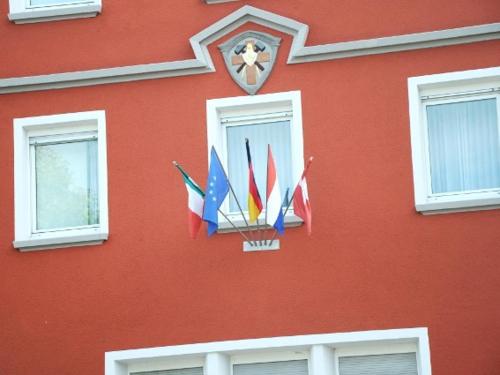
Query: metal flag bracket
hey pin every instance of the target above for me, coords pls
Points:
(248, 247)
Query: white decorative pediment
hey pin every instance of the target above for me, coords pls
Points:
(299, 53)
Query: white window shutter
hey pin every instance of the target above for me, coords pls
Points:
(385, 364)
(298, 367)
(183, 371)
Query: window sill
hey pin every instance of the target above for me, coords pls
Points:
(61, 241)
(55, 13)
(463, 204)
(291, 221)
(218, 1)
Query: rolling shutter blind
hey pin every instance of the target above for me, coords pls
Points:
(182, 371)
(386, 364)
(272, 368)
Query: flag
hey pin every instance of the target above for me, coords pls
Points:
(195, 202)
(254, 202)
(216, 192)
(274, 212)
(301, 204)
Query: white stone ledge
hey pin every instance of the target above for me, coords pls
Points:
(55, 13)
(60, 242)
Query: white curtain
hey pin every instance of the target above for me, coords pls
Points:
(464, 145)
(277, 134)
(66, 184)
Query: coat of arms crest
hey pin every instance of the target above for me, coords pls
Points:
(249, 58)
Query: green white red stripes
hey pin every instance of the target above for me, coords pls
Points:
(195, 202)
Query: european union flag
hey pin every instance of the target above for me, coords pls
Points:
(216, 192)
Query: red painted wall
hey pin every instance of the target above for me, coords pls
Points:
(372, 261)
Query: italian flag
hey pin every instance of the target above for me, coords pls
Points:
(195, 202)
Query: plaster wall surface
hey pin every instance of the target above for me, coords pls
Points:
(372, 262)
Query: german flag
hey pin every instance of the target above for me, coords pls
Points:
(254, 202)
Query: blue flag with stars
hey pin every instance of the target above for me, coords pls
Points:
(216, 192)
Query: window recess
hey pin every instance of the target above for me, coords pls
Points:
(60, 180)
(274, 119)
(382, 352)
(455, 135)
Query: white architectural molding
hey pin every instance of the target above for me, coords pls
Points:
(299, 53)
(21, 12)
(441, 88)
(218, 1)
(318, 348)
(66, 126)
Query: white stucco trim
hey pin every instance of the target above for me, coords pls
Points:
(477, 83)
(65, 125)
(299, 53)
(319, 349)
(21, 12)
(247, 110)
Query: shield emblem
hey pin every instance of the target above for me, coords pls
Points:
(249, 58)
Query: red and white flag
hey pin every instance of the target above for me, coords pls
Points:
(274, 210)
(301, 204)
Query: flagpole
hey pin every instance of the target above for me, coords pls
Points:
(265, 213)
(237, 202)
(179, 167)
(241, 211)
(250, 167)
(309, 161)
(259, 231)
(235, 227)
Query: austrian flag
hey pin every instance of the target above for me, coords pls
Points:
(301, 204)
(195, 202)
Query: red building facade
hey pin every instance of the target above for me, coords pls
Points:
(402, 256)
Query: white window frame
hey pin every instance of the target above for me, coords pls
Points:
(21, 11)
(67, 126)
(449, 88)
(243, 110)
(322, 352)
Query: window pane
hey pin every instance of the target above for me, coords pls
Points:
(386, 364)
(464, 146)
(66, 184)
(54, 2)
(277, 134)
(272, 368)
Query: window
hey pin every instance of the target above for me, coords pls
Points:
(455, 135)
(384, 352)
(60, 180)
(28, 11)
(381, 364)
(274, 119)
